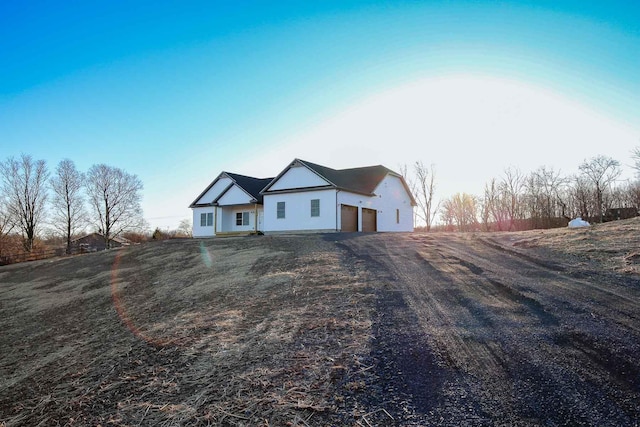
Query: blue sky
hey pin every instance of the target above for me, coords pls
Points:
(176, 92)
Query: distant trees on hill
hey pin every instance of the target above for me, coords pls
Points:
(600, 172)
(31, 199)
(109, 198)
(543, 198)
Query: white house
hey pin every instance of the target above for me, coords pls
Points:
(232, 203)
(306, 197)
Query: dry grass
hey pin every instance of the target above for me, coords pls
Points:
(613, 246)
(237, 332)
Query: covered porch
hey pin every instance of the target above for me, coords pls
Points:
(233, 220)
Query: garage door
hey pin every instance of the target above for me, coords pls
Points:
(349, 218)
(369, 220)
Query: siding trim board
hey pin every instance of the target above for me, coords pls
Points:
(300, 189)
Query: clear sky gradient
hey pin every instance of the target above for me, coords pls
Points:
(176, 92)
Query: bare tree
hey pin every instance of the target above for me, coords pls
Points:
(422, 185)
(633, 195)
(7, 222)
(68, 201)
(635, 155)
(185, 228)
(601, 171)
(115, 198)
(512, 187)
(24, 183)
(425, 180)
(581, 198)
(460, 209)
(497, 205)
(545, 197)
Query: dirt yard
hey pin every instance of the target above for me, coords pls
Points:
(507, 329)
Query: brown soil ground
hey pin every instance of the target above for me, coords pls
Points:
(533, 328)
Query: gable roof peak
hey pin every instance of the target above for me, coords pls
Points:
(248, 184)
(361, 180)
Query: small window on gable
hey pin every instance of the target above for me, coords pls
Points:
(242, 218)
(315, 207)
(281, 210)
(397, 216)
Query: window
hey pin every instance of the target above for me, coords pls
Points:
(242, 218)
(280, 213)
(315, 207)
(397, 216)
(206, 219)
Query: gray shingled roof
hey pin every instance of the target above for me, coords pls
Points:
(248, 183)
(363, 180)
(358, 180)
(251, 185)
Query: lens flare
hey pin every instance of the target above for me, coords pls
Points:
(120, 308)
(206, 256)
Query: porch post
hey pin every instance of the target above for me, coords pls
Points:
(215, 220)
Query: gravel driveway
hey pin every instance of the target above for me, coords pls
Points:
(470, 330)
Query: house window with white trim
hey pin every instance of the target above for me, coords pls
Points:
(281, 210)
(206, 219)
(315, 207)
(242, 218)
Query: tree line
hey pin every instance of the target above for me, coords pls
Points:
(66, 200)
(543, 198)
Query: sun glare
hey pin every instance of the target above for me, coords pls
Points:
(470, 127)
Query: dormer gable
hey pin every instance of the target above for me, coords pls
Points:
(213, 191)
(225, 182)
(297, 175)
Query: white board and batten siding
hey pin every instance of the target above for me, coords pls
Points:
(298, 177)
(198, 229)
(208, 230)
(391, 202)
(216, 189)
(297, 211)
(235, 196)
(395, 212)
